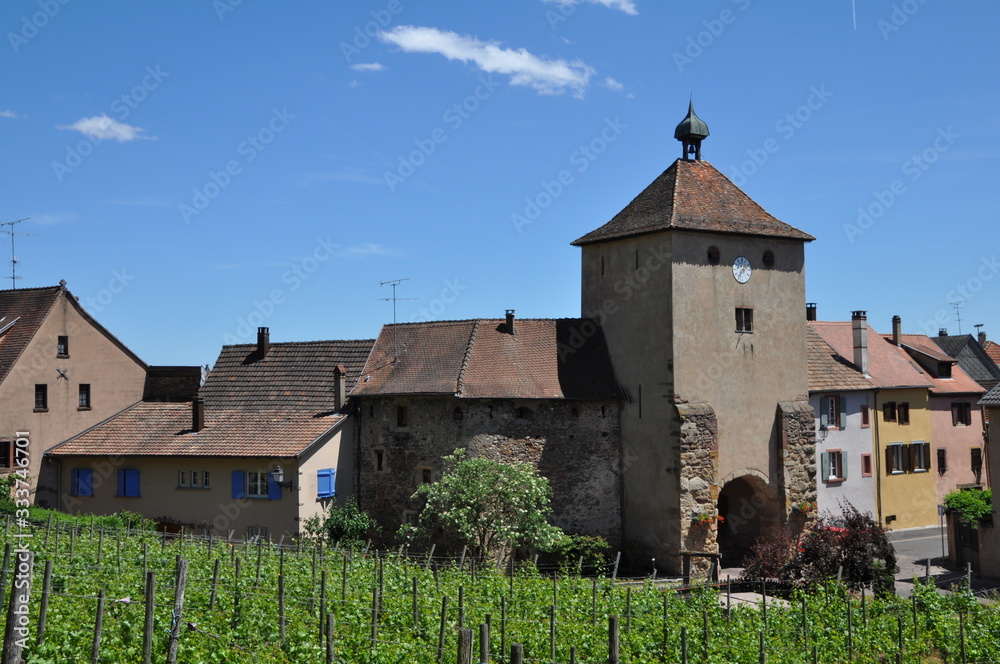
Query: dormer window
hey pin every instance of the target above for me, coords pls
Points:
(944, 369)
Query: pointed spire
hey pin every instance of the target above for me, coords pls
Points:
(690, 133)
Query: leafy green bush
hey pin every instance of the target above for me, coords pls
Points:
(344, 525)
(568, 549)
(971, 505)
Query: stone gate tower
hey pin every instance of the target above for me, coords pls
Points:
(701, 294)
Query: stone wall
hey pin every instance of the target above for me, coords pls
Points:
(575, 444)
(798, 460)
(699, 467)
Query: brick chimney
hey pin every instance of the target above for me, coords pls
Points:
(859, 326)
(197, 414)
(339, 386)
(510, 322)
(897, 330)
(943, 332)
(982, 338)
(263, 341)
(810, 311)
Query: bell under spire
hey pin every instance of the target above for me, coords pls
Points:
(690, 133)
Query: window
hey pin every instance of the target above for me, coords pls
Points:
(896, 458)
(204, 480)
(713, 255)
(866, 420)
(834, 466)
(920, 457)
(402, 416)
(257, 533)
(84, 400)
(128, 484)
(81, 482)
(942, 455)
(6, 454)
(961, 414)
(866, 465)
(256, 485)
(194, 479)
(744, 319)
(768, 259)
(426, 475)
(181, 478)
(326, 483)
(457, 414)
(41, 397)
(977, 462)
(889, 411)
(903, 413)
(833, 413)
(379, 460)
(944, 369)
(526, 414)
(62, 346)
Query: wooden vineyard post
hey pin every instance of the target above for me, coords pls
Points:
(444, 619)
(416, 608)
(618, 557)
(215, 584)
(44, 608)
(15, 635)
(593, 603)
(464, 646)
(175, 625)
(613, 639)
(322, 603)
(552, 633)
(375, 601)
(484, 641)
(516, 653)
(329, 638)
(684, 645)
(236, 594)
(628, 610)
(281, 606)
(461, 607)
(95, 648)
(503, 625)
(147, 629)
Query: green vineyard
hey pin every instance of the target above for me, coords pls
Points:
(301, 602)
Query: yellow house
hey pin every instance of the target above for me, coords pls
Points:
(902, 445)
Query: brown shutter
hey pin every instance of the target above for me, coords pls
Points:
(888, 459)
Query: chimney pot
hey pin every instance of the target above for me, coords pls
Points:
(197, 414)
(263, 340)
(810, 311)
(897, 330)
(859, 327)
(943, 332)
(982, 338)
(339, 386)
(510, 322)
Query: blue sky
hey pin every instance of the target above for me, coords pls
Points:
(196, 169)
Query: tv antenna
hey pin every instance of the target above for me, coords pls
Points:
(958, 306)
(394, 299)
(13, 260)
(979, 328)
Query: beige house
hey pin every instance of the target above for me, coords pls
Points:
(61, 372)
(268, 443)
(989, 535)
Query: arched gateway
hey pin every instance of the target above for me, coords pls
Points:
(748, 508)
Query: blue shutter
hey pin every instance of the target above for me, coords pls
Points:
(120, 488)
(273, 488)
(843, 413)
(239, 484)
(325, 483)
(74, 483)
(85, 482)
(824, 463)
(132, 483)
(823, 423)
(843, 465)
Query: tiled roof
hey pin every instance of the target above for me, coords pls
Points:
(972, 357)
(888, 365)
(923, 344)
(293, 375)
(692, 195)
(22, 311)
(992, 349)
(544, 359)
(992, 397)
(164, 429)
(829, 371)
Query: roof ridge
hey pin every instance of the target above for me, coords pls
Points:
(466, 358)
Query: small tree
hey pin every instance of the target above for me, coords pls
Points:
(487, 505)
(347, 524)
(971, 505)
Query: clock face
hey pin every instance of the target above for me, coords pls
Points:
(742, 269)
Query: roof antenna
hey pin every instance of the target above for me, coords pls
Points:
(979, 328)
(958, 314)
(13, 260)
(394, 299)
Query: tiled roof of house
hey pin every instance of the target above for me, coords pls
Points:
(543, 359)
(923, 344)
(972, 357)
(992, 349)
(828, 370)
(294, 375)
(992, 397)
(692, 195)
(164, 429)
(888, 365)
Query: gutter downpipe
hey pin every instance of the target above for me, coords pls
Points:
(876, 452)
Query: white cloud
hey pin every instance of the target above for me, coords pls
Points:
(627, 6)
(101, 127)
(369, 66)
(612, 84)
(9, 114)
(549, 77)
(54, 218)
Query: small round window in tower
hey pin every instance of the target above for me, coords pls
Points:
(768, 258)
(713, 255)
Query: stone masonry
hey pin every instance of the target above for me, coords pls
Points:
(699, 464)
(798, 461)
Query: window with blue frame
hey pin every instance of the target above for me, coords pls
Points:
(255, 484)
(326, 485)
(128, 484)
(81, 482)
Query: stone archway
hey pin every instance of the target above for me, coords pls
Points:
(749, 509)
